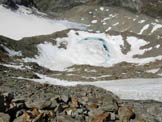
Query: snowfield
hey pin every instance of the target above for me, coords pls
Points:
(89, 52)
(136, 89)
(22, 23)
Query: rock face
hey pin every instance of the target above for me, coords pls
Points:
(56, 5)
(150, 7)
(13, 3)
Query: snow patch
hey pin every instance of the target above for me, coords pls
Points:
(21, 23)
(107, 18)
(12, 52)
(109, 28)
(157, 46)
(144, 28)
(156, 27)
(102, 8)
(18, 67)
(141, 21)
(152, 70)
(94, 21)
(116, 24)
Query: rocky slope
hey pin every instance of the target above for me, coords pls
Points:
(26, 101)
(151, 7)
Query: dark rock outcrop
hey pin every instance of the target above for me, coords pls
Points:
(13, 4)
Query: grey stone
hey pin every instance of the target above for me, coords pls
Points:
(53, 103)
(38, 104)
(69, 112)
(4, 117)
(125, 113)
(19, 119)
(19, 113)
(65, 98)
(109, 107)
(18, 100)
(65, 118)
(112, 116)
(93, 112)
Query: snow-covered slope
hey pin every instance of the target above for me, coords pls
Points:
(89, 52)
(23, 23)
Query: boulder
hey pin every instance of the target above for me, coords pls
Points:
(4, 117)
(42, 104)
(65, 98)
(126, 113)
(64, 118)
(109, 107)
(101, 118)
(24, 118)
(74, 102)
(53, 103)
